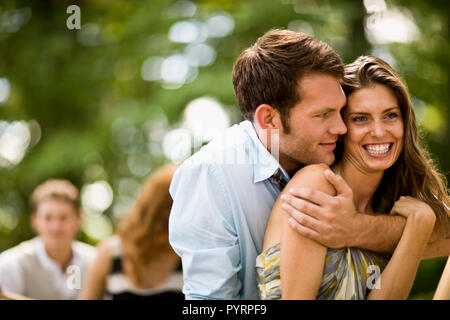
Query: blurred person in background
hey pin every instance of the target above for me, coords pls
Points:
(138, 261)
(52, 265)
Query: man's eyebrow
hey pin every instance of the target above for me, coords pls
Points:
(324, 110)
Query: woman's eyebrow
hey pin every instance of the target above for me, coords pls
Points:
(390, 109)
(368, 113)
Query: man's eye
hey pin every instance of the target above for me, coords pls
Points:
(324, 115)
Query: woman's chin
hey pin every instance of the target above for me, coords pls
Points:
(379, 165)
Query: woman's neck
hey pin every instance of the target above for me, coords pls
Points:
(363, 183)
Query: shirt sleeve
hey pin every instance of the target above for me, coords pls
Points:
(11, 279)
(202, 233)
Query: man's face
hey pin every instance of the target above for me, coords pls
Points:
(57, 222)
(315, 123)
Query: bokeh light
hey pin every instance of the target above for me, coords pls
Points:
(205, 118)
(391, 26)
(177, 145)
(97, 227)
(220, 25)
(5, 88)
(96, 197)
(15, 138)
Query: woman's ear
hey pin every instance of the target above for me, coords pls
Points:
(267, 117)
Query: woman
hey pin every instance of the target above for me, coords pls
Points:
(138, 262)
(388, 171)
(52, 265)
(443, 289)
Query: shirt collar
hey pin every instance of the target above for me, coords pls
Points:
(264, 163)
(47, 262)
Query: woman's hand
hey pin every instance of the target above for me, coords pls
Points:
(398, 277)
(416, 210)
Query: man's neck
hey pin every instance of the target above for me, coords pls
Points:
(287, 163)
(291, 166)
(61, 256)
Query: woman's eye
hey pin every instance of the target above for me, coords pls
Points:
(392, 115)
(359, 119)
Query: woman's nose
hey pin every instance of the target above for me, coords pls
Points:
(378, 129)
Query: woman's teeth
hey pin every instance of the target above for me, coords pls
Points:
(378, 149)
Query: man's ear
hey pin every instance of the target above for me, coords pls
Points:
(267, 117)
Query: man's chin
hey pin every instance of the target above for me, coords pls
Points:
(327, 159)
(57, 242)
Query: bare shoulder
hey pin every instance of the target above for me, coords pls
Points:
(103, 260)
(312, 176)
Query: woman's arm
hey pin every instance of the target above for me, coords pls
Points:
(443, 288)
(94, 288)
(398, 277)
(301, 259)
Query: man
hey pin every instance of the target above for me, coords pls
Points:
(288, 89)
(52, 265)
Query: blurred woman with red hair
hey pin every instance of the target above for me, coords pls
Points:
(138, 261)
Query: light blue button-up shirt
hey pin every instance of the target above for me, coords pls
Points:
(222, 202)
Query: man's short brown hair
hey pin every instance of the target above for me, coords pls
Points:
(269, 71)
(55, 189)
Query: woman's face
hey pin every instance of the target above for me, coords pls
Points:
(374, 139)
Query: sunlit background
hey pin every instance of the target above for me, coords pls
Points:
(143, 83)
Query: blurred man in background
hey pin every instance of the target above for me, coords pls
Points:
(52, 265)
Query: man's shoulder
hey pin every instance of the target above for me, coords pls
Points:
(231, 150)
(18, 253)
(228, 160)
(223, 148)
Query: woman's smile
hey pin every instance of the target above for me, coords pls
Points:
(379, 150)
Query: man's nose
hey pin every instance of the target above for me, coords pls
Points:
(55, 225)
(339, 127)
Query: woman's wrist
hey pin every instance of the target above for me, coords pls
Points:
(423, 219)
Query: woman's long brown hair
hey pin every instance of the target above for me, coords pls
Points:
(145, 231)
(414, 174)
